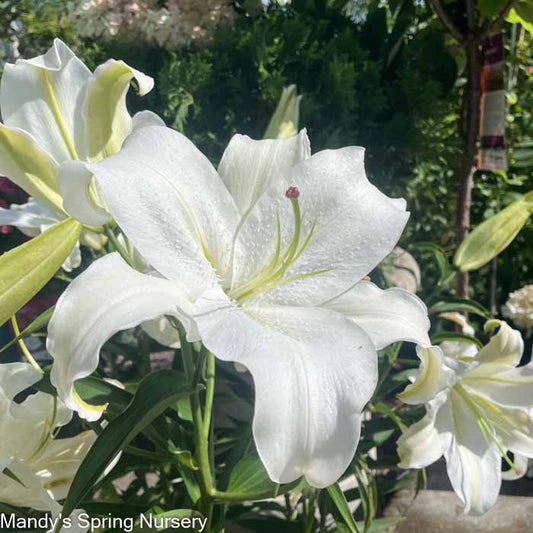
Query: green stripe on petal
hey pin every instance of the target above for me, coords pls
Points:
(108, 120)
(29, 167)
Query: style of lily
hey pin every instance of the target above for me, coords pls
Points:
(55, 110)
(263, 261)
(478, 406)
(36, 469)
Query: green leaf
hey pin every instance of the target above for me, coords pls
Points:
(26, 269)
(522, 14)
(492, 236)
(339, 499)
(491, 8)
(121, 510)
(454, 336)
(249, 477)
(460, 305)
(38, 323)
(191, 484)
(93, 389)
(157, 391)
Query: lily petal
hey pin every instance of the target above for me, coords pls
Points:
(505, 348)
(29, 217)
(60, 461)
(509, 387)
(16, 377)
(146, 118)
(75, 182)
(108, 122)
(30, 167)
(30, 494)
(514, 428)
(171, 204)
(25, 425)
(313, 371)
(355, 227)
(386, 315)
(108, 297)
(472, 462)
(43, 96)
(459, 349)
(162, 331)
(419, 444)
(433, 378)
(249, 167)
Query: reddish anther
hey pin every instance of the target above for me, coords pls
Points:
(292, 192)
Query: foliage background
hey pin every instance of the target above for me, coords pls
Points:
(383, 75)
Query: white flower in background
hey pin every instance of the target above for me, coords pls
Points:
(263, 262)
(176, 24)
(28, 450)
(479, 406)
(401, 270)
(461, 321)
(55, 110)
(519, 307)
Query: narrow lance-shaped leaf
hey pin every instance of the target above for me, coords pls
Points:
(157, 392)
(38, 323)
(339, 499)
(26, 269)
(493, 235)
(250, 480)
(461, 305)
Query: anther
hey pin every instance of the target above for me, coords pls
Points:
(292, 193)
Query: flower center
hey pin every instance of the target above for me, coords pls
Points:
(273, 275)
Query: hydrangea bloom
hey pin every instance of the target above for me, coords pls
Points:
(519, 307)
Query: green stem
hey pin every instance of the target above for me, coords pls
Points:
(22, 345)
(210, 393)
(202, 442)
(117, 246)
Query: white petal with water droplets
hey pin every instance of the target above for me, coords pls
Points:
(313, 371)
(108, 297)
(249, 167)
(386, 315)
(170, 202)
(356, 226)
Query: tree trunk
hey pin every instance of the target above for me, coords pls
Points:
(470, 107)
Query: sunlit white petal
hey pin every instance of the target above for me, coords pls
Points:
(473, 462)
(387, 316)
(107, 297)
(44, 96)
(313, 371)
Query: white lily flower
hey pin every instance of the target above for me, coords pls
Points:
(55, 110)
(478, 406)
(45, 466)
(261, 276)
